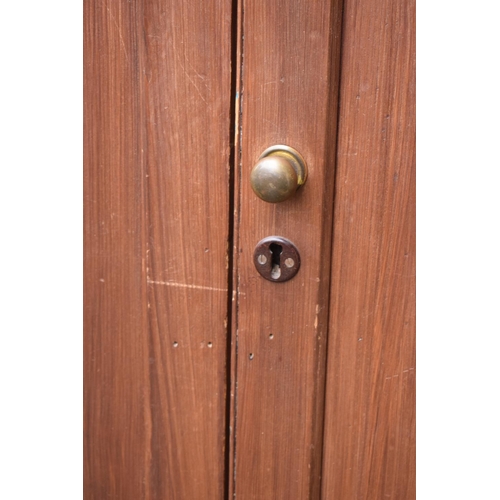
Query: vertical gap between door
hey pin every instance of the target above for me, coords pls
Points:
(335, 98)
(231, 271)
(238, 131)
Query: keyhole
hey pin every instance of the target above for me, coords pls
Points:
(275, 260)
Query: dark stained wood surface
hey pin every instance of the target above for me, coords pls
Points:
(369, 448)
(157, 144)
(288, 92)
(158, 118)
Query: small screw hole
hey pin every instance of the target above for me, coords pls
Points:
(209, 344)
(175, 344)
(250, 356)
(271, 336)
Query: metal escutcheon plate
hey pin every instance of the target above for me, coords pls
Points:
(276, 259)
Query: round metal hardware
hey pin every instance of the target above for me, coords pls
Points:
(280, 171)
(281, 260)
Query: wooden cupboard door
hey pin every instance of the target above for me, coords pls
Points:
(202, 379)
(157, 146)
(348, 317)
(287, 95)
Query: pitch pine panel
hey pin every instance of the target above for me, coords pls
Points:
(157, 144)
(287, 95)
(369, 447)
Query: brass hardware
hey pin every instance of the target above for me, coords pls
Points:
(280, 171)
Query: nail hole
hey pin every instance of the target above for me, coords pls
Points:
(175, 344)
(209, 344)
(250, 356)
(271, 335)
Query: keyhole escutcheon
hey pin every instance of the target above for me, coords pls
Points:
(276, 259)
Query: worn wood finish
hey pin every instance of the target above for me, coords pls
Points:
(369, 448)
(288, 96)
(116, 372)
(188, 116)
(157, 140)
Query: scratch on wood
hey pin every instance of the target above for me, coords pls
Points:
(119, 32)
(316, 319)
(187, 74)
(397, 374)
(185, 285)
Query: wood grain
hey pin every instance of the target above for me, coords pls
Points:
(116, 445)
(157, 143)
(288, 92)
(369, 448)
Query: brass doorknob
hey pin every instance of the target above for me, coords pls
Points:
(280, 171)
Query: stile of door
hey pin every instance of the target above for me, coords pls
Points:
(288, 86)
(157, 148)
(369, 447)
